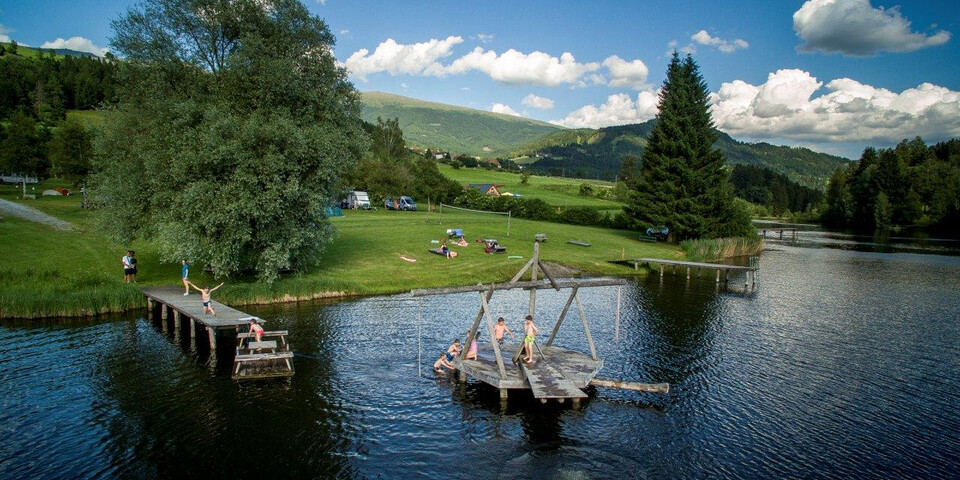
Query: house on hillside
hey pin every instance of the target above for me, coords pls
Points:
(494, 162)
(485, 188)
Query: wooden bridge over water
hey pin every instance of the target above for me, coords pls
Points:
(271, 357)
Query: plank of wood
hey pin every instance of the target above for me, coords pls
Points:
(263, 344)
(547, 382)
(579, 243)
(275, 333)
(635, 386)
(262, 356)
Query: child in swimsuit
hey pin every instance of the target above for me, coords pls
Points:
(472, 352)
(500, 329)
(205, 296)
(453, 350)
(531, 331)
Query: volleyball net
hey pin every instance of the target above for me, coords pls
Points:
(473, 222)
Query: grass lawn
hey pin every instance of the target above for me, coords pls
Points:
(553, 190)
(45, 272)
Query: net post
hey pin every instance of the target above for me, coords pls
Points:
(509, 212)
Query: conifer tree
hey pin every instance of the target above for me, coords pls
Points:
(682, 182)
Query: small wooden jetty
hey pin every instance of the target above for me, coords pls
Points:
(723, 270)
(556, 373)
(271, 359)
(775, 231)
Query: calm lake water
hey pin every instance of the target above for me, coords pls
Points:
(844, 363)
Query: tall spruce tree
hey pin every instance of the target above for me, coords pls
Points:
(682, 182)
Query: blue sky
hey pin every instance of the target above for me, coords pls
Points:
(833, 75)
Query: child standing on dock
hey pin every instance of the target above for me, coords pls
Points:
(500, 329)
(205, 296)
(531, 331)
(184, 272)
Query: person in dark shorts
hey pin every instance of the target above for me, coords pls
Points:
(128, 268)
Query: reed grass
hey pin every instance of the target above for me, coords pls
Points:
(715, 249)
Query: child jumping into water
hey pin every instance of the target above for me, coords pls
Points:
(205, 296)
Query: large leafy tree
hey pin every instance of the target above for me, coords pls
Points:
(232, 131)
(70, 151)
(682, 182)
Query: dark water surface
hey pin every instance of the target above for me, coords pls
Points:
(843, 364)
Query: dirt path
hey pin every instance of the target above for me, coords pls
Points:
(32, 214)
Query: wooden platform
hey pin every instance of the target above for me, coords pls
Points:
(192, 306)
(547, 381)
(683, 263)
(575, 369)
(269, 359)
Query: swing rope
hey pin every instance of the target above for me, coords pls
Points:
(419, 347)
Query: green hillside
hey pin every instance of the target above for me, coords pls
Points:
(597, 153)
(457, 129)
(30, 52)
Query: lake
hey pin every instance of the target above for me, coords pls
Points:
(844, 362)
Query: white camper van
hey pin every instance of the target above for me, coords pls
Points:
(358, 199)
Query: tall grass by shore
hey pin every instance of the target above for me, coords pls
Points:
(714, 249)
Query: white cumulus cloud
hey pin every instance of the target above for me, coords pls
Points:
(540, 103)
(517, 68)
(632, 74)
(79, 44)
(505, 109)
(856, 28)
(484, 37)
(725, 46)
(848, 111)
(5, 34)
(619, 109)
(396, 58)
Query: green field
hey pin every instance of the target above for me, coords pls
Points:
(47, 272)
(553, 190)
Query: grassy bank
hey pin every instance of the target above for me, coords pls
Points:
(53, 273)
(553, 190)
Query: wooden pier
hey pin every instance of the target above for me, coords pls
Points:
(556, 373)
(775, 231)
(723, 270)
(185, 313)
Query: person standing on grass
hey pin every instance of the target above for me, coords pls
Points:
(127, 262)
(205, 296)
(133, 263)
(184, 272)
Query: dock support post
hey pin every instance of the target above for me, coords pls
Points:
(718, 276)
(176, 320)
(576, 404)
(688, 273)
(463, 376)
(503, 394)
(586, 328)
(661, 269)
(149, 305)
(781, 234)
(636, 266)
(726, 276)
(163, 311)
(212, 334)
(193, 328)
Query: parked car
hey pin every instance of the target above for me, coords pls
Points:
(358, 199)
(660, 233)
(402, 203)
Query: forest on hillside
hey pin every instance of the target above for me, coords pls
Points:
(910, 185)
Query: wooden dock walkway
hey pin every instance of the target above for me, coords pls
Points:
(548, 382)
(169, 305)
(763, 232)
(750, 271)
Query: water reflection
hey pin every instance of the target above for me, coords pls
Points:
(842, 364)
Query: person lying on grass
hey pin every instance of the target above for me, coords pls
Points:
(205, 296)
